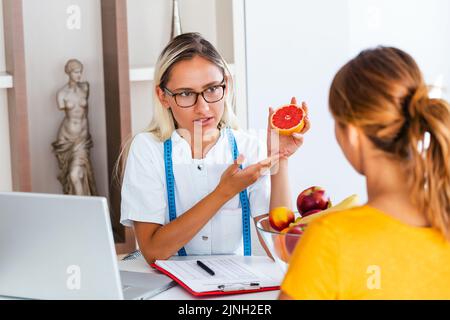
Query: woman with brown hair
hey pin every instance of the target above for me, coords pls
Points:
(397, 246)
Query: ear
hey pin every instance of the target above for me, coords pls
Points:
(358, 142)
(353, 136)
(162, 97)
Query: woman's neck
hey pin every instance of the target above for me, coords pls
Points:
(388, 191)
(201, 142)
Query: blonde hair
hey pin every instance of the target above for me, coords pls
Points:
(183, 47)
(382, 91)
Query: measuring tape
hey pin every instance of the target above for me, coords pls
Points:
(243, 196)
(170, 185)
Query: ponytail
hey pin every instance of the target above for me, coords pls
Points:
(428, 167)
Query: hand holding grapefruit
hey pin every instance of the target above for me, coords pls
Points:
(288, 119)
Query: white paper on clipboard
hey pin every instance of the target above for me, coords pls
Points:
(231, 272)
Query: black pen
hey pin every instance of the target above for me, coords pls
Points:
(205, 267)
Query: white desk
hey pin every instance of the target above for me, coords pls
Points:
(178, 293)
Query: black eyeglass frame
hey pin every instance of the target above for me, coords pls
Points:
(174, 95)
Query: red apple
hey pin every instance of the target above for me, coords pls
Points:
(308, 213)
(313, 198)
(280, 218)
(292, 236)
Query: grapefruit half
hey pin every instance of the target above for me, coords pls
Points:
(288, 119)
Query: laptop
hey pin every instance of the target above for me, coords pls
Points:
(62, 247)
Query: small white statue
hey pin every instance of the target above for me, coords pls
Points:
(74, 140)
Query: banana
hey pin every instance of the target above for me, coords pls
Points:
(345, 204)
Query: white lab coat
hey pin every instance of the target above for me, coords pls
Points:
(144, 195)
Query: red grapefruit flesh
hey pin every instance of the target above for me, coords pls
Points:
(288, 119)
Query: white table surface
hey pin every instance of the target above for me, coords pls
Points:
(178, 293)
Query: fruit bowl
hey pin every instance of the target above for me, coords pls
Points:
(280, 244)
(312, 204)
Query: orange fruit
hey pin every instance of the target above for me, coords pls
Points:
(288, 119)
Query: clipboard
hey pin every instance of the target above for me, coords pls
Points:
(233, 274)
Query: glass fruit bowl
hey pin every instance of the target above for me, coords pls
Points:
(280, 244)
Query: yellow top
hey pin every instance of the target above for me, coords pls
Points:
(363, 253)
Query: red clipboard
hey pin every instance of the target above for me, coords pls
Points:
(211, 293)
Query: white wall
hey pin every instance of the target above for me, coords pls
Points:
(420, 27)
(5, 154)
(48, 45)
(294, 48)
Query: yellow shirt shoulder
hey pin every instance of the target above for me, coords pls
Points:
(363, 253)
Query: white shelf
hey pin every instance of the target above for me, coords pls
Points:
(146, 73)
(6, 80)
(141, 74)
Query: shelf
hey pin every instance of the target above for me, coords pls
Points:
(6, 80)
(141, 74)
(146, 73)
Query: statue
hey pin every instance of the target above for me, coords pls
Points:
(74, 140)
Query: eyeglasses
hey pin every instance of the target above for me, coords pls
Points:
(187, 99)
